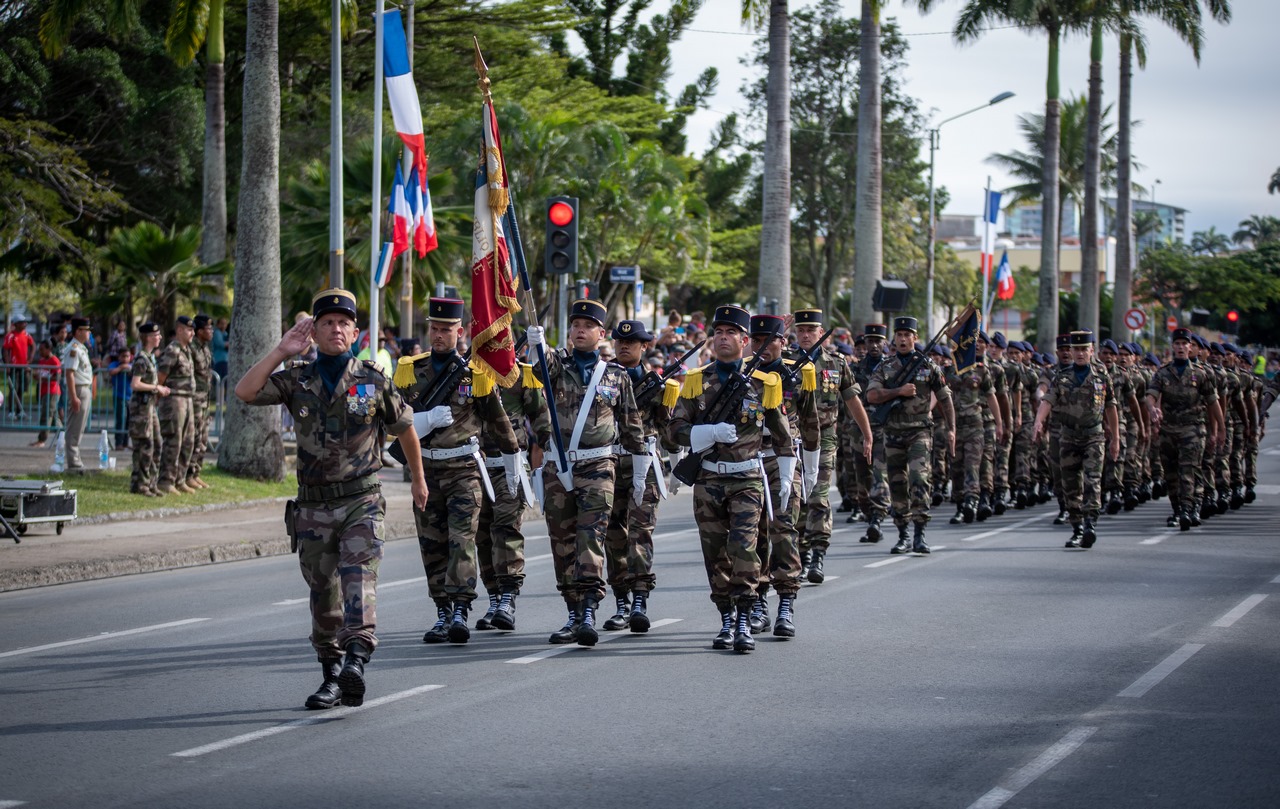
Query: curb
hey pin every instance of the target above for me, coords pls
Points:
(176, 511)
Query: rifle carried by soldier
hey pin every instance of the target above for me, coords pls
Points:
(727, 402)
(791, 375)
(650, 385)
(879, 414)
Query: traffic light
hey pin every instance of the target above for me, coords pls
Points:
(562, 236)
(1233, 317)
(582, 290)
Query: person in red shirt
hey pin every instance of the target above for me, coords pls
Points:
(18, 346)
(49, 391)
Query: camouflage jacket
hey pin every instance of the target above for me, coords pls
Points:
(202, 367)
(835, 384)
(1183, 396)
(999, 386)
(913, 413)
(340, 436)
(655, 418)
(862, 371)
(1081, 407)
(1012, 384)
(800, 403)
(612, 418)
(969, 392)
(525, 405)
(474, 403)
(1122, 384)
(144, 370)
(761, 408)
(175, 361)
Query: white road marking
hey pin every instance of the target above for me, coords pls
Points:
(383, 585)
(604, 638)
(888, 561)
(290, 601)
(1276, 580)
(893, 559)
(298, 723)
(386, 585)
(1161, 670)
(1239, 610)
(1269, 488)
(103, 636)
(1015, 526)
(1157, 539)
(1021, 779)
(10, 804)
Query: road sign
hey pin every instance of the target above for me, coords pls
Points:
(624, 275)
(1171, 323)
(1135, 319)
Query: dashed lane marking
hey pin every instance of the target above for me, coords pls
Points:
(1161, 670)
(103, 636)
(1021, 779)
(604, 638)
(1157, 539)
(1238, 611)
(1015, 526)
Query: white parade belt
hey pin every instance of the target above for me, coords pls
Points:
(731, 467)
(469, 448)
(584, 454)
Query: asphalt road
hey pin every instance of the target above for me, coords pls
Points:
(1003, 670)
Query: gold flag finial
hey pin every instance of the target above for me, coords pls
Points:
(482, 70)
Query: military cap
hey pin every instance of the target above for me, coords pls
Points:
(845, 349)
(999, 340)
(982, 335)
(1216, 348)
(1153, 359)
(1062, 341)
(1200, 341)
(1083, 337)
(1181, 334)
(767, 326)
(860, 340)
(79, 323)
(185, 320)
(875, 330)
(906, 324)
(1127, 348)
(334, 300)
(1037, 358)
(631, 330)
(591, 310)
(940, 350)
(445, 310)
(1048, 358)
(148, 328)
(200, 321)
(1233, 348)
(808, 317)
(1110, 345)
(730, 315)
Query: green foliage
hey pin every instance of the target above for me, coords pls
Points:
(1173, 276)
(160, 269)
(1258, 230)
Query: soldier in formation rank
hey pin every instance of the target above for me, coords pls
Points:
(871, 487)
(144, 425)
(201, 396)
(343, 408)
(973, 396)
(177, 425)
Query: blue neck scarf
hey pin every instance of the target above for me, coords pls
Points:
(331, 367)
(586, 361)
(724, 369)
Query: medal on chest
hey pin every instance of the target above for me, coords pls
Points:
(360, 399)
(752, 411)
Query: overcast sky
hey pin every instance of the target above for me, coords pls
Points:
(1210, 134)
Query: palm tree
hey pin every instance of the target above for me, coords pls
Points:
(251, 445)
(868, 237)
(1274, 185)
(160, 267)
(1089, 282)
(1210, 241)
(775, 218)
(1257, 230)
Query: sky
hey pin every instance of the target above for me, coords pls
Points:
(1210, 134)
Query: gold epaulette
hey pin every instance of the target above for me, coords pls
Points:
(772, 388)
(405, 377)
(808, 378)
(528, 378)
(693, 383)
(481, 381)
(670, 393)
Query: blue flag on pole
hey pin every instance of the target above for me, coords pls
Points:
(964, 339)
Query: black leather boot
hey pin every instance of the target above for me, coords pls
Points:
(351, 677)
(959, 516)
(504, 617)
(640, 612)
(759, 616)
(1207, 507)
(1090, 534)
(784, 627)
(997, 502)
(1020, 498)
(806, 558)
(724, 640)
(845, 505)
(567, 633)
(1061, 519)
(1158, 489)
(328, 694)
(742, 640)
(1114, 503)
(440, 632)
(1249, 494)
(874, 534)
(970, 508)
(904, 544)
(1237, 497)
(1184, 519)
(459, 632)
(984, 507)
(815, 574)
(622, 618)
(937, 498)
(1224, 500)
(918, 545)
(1131, 499)
(486, 621)
(587, 634)
(1077, 534)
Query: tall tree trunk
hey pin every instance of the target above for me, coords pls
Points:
(868, 240)
(251, 445)
(775, 218)
(1047, 309)
(1089, 281)
(1124, 190)
(213, 216)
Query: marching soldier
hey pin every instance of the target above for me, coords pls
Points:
(871, 490)
(450, 408)
(177, 426)
(596, 411)
(941, 465)
(908, 432)
(1135, 435)
(1022, 453)
(973, 394)
(1127, 410)
(1008, 392)
(201, 412)
(728, 497)
(1083, 403)
(629, 539)
(144, 425)
(343, 408)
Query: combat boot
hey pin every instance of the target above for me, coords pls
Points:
(459, 632)
(918, 545)
(1131, 498)
(806, 558)
(1043, 494)
(1237, 497)
(742, 640)
(1224, 501)
(874, 534)
(1020, 498)
(815, 574)
(984, 507)
(181, 486)
(439, 633)
(724, 640)
(328, 694)
(622, 618)
(937, 498)
(567, 633)
(997, 502)
(486, 621)
(351, 678)
(1158, 489)
(958, 517)
(1061, 519)
(1077, 534)
(1184, 519)
(970, 509)
(1172, 521)
(759, 614)
(783, 627)
(504, 617)
(1195, 517)
(640, 612)
(1114, 503)
(1089, 535)
(904, 544)
(587, 634)
(1207, 508)
(1249, 494)
(845, 505)
(1144, 492)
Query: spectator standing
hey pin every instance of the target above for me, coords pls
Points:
(48, 392)
(79, 372)
(218, 345)
(121, 370)
(118, 341)
(18, 348)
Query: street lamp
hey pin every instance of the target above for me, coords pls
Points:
(933, 147)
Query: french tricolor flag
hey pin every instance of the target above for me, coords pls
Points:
(1005, 286)
(990, 212)
(405, 110)
(424, 221)
(401, 216)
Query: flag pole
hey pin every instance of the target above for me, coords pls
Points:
(375, 235)
(406, 283)
(531, 308)
(987, 249)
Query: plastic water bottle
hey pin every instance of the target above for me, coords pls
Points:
(104, 451)
(60, 453)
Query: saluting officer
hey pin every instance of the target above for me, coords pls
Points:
(176, 371)
(596, 411)
(454, 468)
(908, 433)
(728, 496)
(1082, 400)
(144, 425)
(343, 408)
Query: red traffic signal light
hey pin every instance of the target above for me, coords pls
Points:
(562, 236)
(560, 214)
(1233, 316)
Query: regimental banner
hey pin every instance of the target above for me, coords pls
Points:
(964, 339)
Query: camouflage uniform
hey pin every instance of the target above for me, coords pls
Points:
(1113, 471)
(1023, 451)
(970, 394)
(872, 489)
(1079, 404)
(835, 387)
(1184, 393)
(144, 427)
(177, 426)
(1008, 387)
(338, 523)
(201, 411)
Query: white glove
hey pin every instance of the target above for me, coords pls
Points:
(514, 469)
(787, 473)
(639, 476)
(673, 482)
(432, 419)
(536, 336)
(538, 490)
(812, 457)
(702, 436)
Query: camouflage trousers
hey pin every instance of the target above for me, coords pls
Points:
(815, 521)
(1053, 457)
(577, 522)
(1181, 453)
(629, 538)
(1113, 471)
(177, 429)
(499, 538)
(447, 529)
(1155, 465)
(777, 540)
(1000, 470)
(144, 435)
(1081, 469)
(966, 469)
(201, 414)
(1240, 449)
(1132, 456)
(907, 456)
(986, 471)
(871, 490)
(1250, 471)
(727, 510)
(1023, 453)
(942, 464)
(339, 548)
